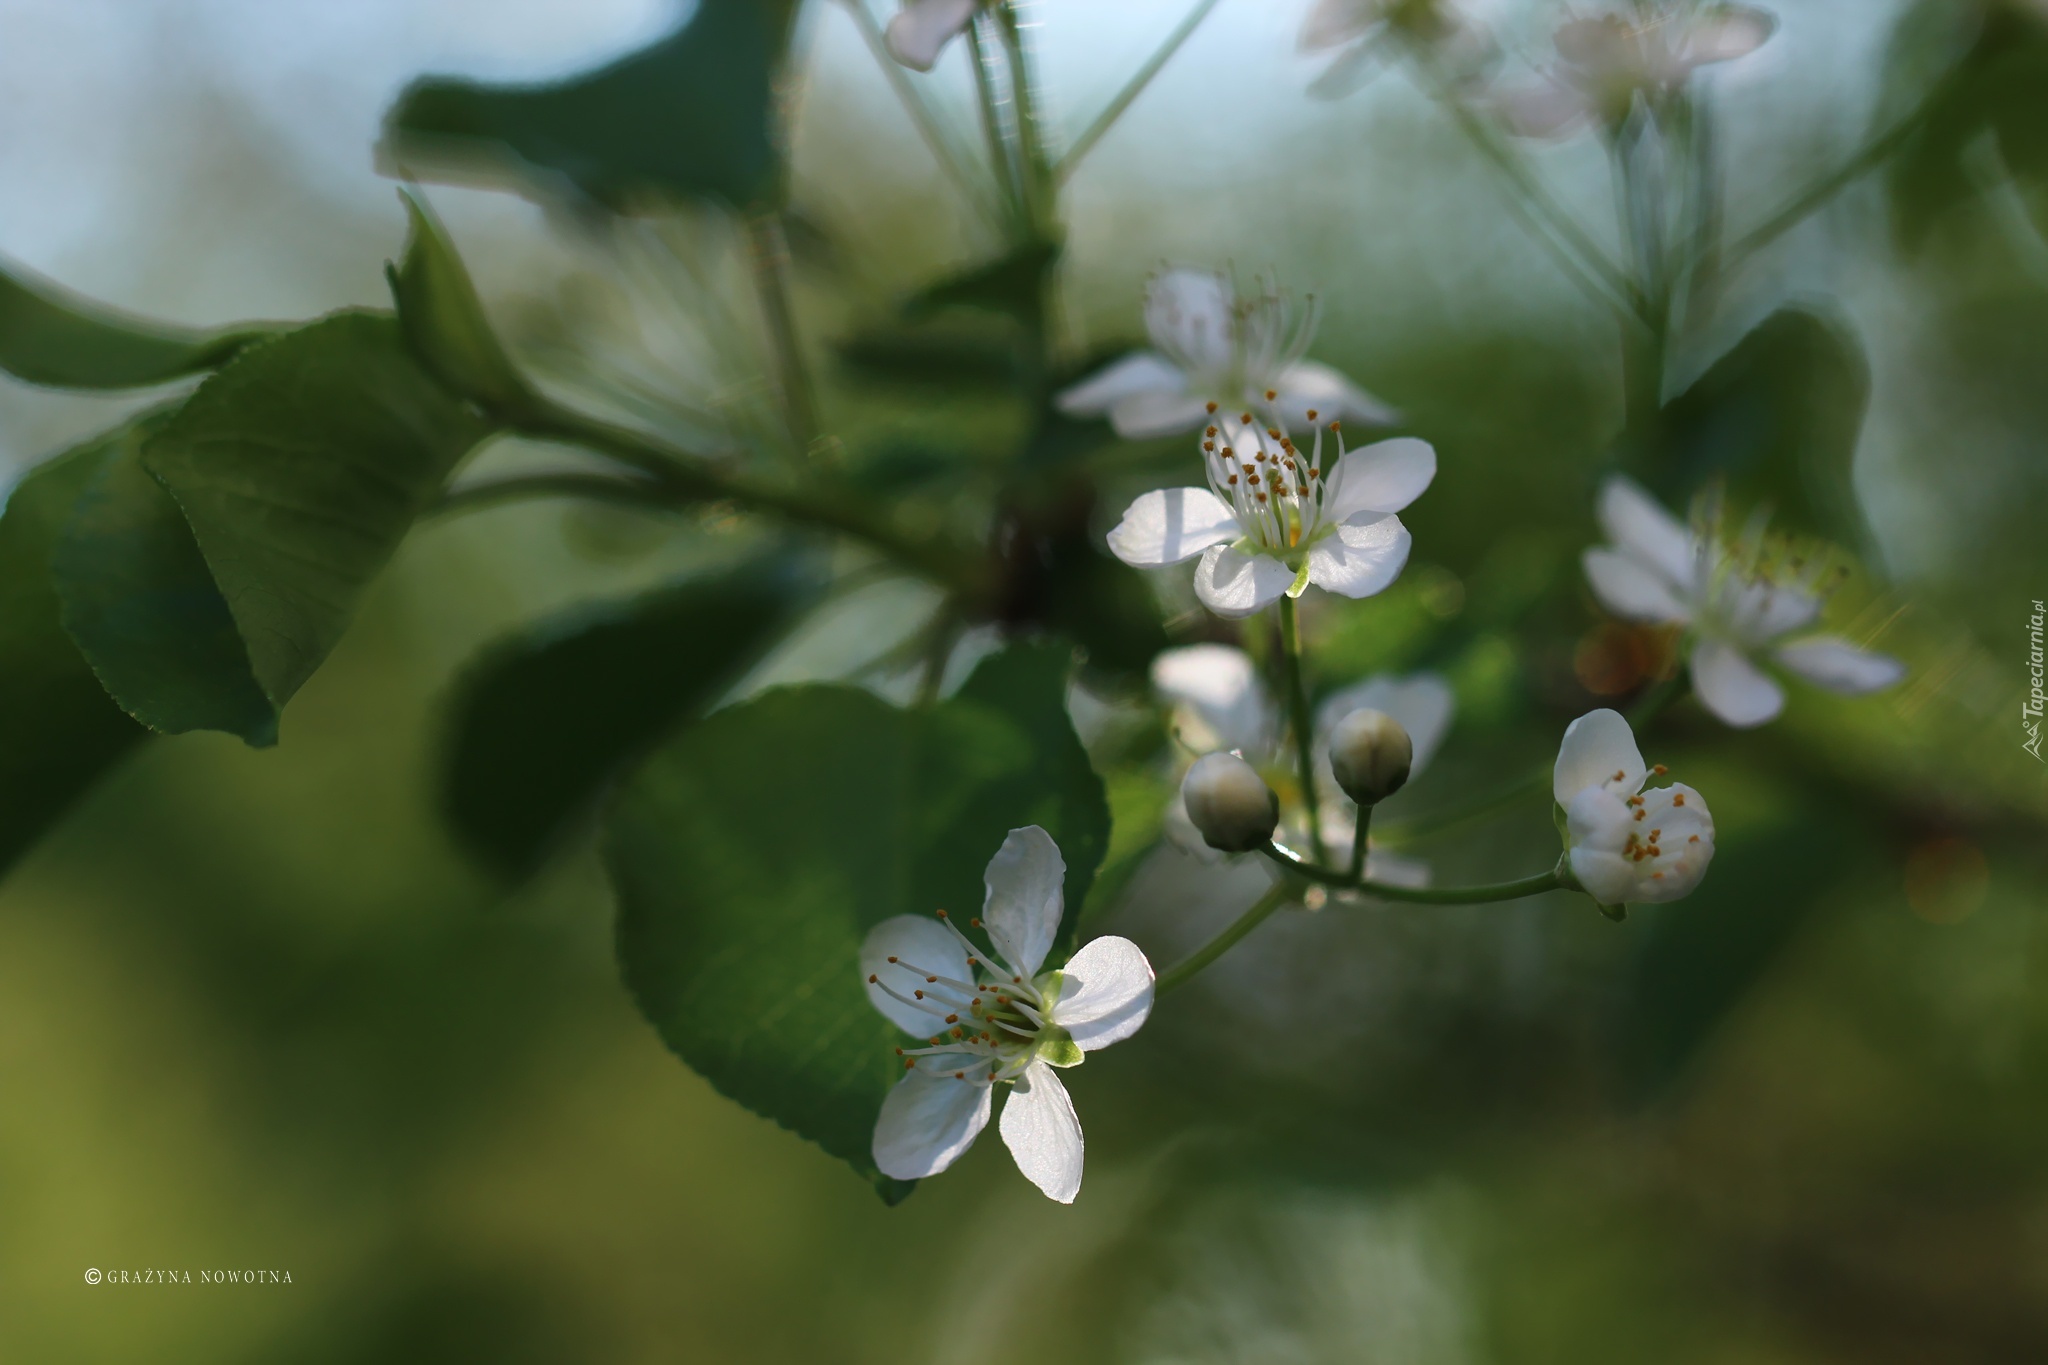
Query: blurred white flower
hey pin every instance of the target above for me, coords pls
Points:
(1605, 62)
(1360, 32)
(1273, 520)
(993, 1018)
(1626, 845)
(1220, 703)
(1213, 349)
(1660, 572)
(922, 28)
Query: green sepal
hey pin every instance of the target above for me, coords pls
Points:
(444, 322)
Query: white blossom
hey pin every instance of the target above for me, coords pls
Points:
(922, 28)
(1605, 62)
(1273, 520)
(1362, 32)
(1738, 607)
(1627, 845)
(992, 1018)
(1211, 347)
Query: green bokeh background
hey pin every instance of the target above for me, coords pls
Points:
(258, 1012)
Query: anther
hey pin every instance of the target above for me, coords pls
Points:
(1694, 839)
(954, 1019)
(1336, 426)
(910, 1063)
(1679, 799)
(1212, 407)
(1262, 497)
(1660, 770)
(892, 961)
(873, 980)
(1640, 814)
(1270, 395)
(1211, 432)
(1233, 479)
(918, 994)
(1619, 776)
(1311, 414)
(1246, 419)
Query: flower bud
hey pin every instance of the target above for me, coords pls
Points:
(1229, 803)
(1370, 754)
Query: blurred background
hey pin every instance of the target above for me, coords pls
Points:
(257, 1011)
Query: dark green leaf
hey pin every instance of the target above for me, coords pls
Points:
(300, 467)
(142, 606)
(1778, 418)
(444, 321)
(752, 854)
(691, 117)
(1013, 285)
(545, 720)
(49, 335)
(59, 731)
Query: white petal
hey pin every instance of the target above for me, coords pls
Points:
(1423, 704)
(1332, 23)
(1547, 109)
(1759, 612)
(1027, 892)
(928, 1120)
(922, 27)
(1105, 993)
(1732, 687)
(1359, 559)
(1599, 750)
(1041, 1131)
(1349, 72)
(1307, 385)
(1189, 316)
(1726, 33)
(922, 947)
(1169, 525)
(1144, 416)
(1634, 521)
(1684, 827)
(1234, 585)
(1383, 477)
(1139, 372)
(1220, 684)
(1840, 666)
(1630, 589)
(1597, 824)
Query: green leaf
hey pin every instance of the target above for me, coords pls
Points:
(300, 467)
(141, 605)
(692, 117)
(546, 719)
(59, 731)
(1013, 285)
(753, 853)
(1778, 418)
(49, 335)
(444, 322)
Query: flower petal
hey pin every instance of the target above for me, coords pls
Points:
(1727, 32)
(1732, 687)
(1307, 385)
(923, 27)
(922, 947)
(1359, 558)
(1027, 881)
(1139, 372)
(1105, 993)
(1220, 684)
(1189, 316)
(1169, 525)
(1234, 585)
(1145, 416)
(1757, 612)
(927, 1121)
(1634, 521)
(1332, 23)
(1630, 589)
(1599, 750)
(1042, 1133)
(1423, 704)
(1611, 844)
(1383, 477)
(1545, 109)
(1839, 666)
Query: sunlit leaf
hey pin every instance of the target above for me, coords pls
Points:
(691, 117)
(49, 335)
(752, 854)
(443, 319)
(300, 467)
(545, 720)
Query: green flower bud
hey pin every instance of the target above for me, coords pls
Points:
(1370, 754)
(1230, 803)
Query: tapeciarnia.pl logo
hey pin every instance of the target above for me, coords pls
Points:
(2030, 709)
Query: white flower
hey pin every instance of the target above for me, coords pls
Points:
(1660, 572)
(1273, 520)
(994, 1019)
(1365, 29)
(922, 28)
(1219, 703)
(1626, 845)
(1605, 62)
(1212, 347)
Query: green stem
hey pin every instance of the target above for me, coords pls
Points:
(1035, 166)
(1358, 839)
(1866, 158)
(1188, 967)
(768, 256)
(990, 96)
(1134, 87)
(1304, 732)
(1420, 895)
(635, 492)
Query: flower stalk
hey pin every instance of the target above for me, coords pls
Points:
(1304, 729)
(1534, 885)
